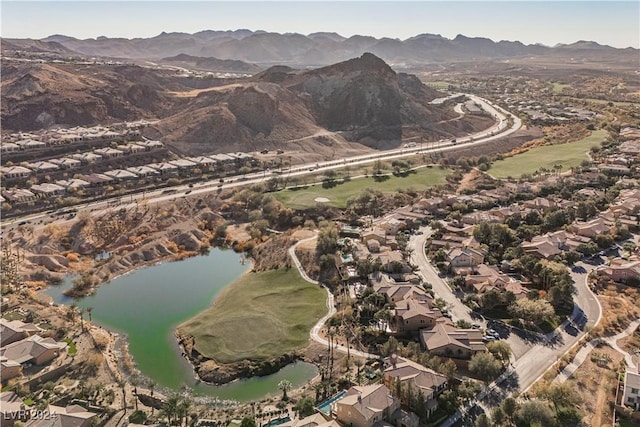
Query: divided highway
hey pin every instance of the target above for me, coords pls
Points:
(499, 130)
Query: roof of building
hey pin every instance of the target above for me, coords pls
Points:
(444, 334)
(315, 420)
(368, 400)
(419, 376)
(410, 308)
(29, 348)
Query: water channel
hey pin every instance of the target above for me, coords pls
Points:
(149, 303)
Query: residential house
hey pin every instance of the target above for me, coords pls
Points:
(42, 167)
(69, 416)
(15, 330)
(9, 369)
(72, 184)
(222, 158)
(164, 168)
(432, 204)
(397, 292)
(377, 234)
(183, 164)
(364, 406)
(87, 158)
(392, 261)
(47, 189)
(416, 377)
(9, 147)
(540, 204)
(591, 228)
(19, 195)
(204, 162)
(445, 340)
(121, 174)
(315, 420)
(131, 148)
(143, 171)
(621, 270)
(12, 408)
(631, 390)
(15, 172)
(66, 162)
(35, 349)
(30, 144)
(410, 316)
(149, 145)
(108, 153)
(488, 278)
(97, 179)
(464, 260)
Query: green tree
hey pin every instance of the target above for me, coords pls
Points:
(304, 407)
(327, 240)
(248, 421)
(535, 412)
(510, 407)
(562, 394)
(485, 366)
(483, 421)
(285, 386)
(500, 350)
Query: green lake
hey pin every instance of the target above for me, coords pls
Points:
(149, 303)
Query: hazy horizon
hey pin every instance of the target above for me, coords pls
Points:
(614, 23)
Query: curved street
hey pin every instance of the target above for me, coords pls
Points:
(315, 331)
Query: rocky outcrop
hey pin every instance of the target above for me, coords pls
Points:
(50, 262)
(208, 370)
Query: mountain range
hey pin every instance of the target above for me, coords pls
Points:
(323, 48)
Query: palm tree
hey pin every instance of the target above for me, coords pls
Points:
(358, 364)
(183, 410)
(122, 384)
(134, 384)
(285, 386)
(170, 408)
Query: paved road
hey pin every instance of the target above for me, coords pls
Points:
(497, 131)
(586, 313)
(315, 331)
(430, 275)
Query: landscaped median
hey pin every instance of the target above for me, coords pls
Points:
(254, 327)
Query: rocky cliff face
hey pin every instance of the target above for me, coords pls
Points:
(360, 95)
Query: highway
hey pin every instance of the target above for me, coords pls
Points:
(498, 130)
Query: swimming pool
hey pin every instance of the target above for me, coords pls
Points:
(325, 406)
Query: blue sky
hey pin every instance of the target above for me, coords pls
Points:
(616, 23)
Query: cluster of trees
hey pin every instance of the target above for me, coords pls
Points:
(556, 405)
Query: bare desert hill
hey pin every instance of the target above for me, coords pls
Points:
(325, 110)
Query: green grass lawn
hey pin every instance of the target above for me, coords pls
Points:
(558, 87)
(261, 315)
(567, 155)
(303, 198)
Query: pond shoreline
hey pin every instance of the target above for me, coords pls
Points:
(235, 373)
